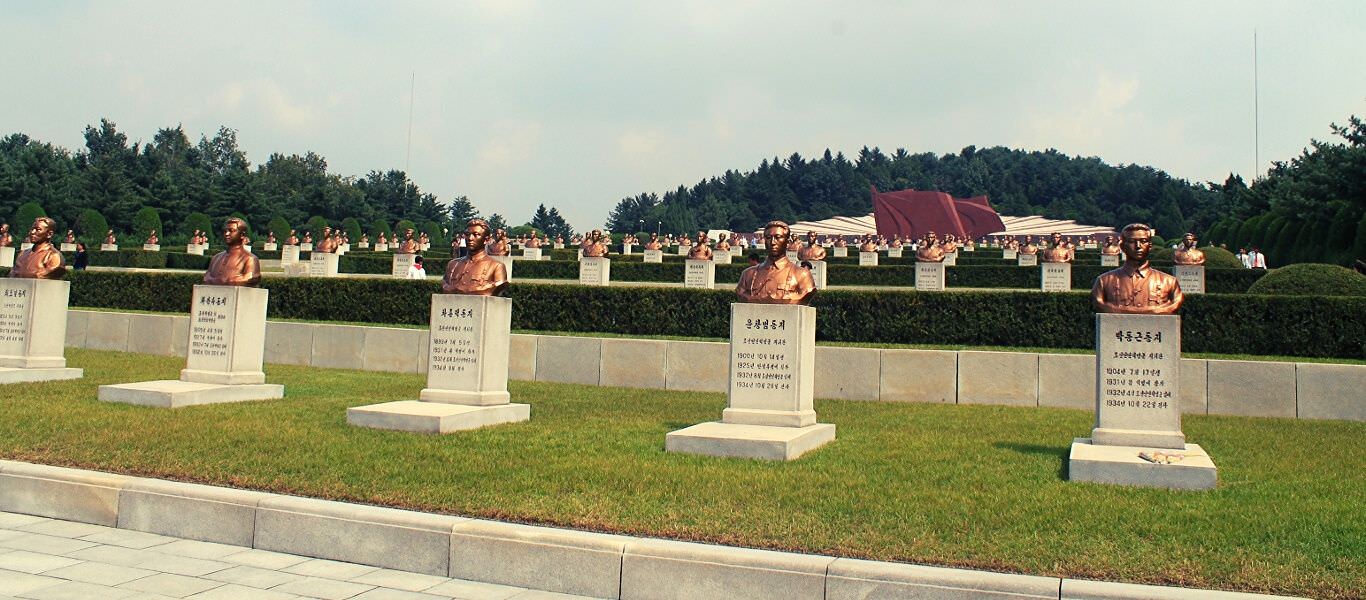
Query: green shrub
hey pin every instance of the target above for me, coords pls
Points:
(23, 219)
(91, 227)
(134, 258)
(197, 220)
(352, 228)
(316, 225)
(280, 227)
(1311, 279)
(1325, 326)
(378, 227)
(145, 221)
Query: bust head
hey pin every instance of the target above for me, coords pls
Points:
(776, 234)
(1136, 241)
(476, 235)
(1188, 241)
(234, 232)
(41, 231)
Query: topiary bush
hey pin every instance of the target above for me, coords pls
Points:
(1311, 279)
(91, 227)
(280, 227)
(196, 220)
(23, 219)
(145, 221)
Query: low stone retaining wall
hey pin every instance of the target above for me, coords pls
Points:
(543, 558)
(1222, 387)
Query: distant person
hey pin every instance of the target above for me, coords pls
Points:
(417, 271)
(1258, 259)
(754, 259)
(82, 259)
(1244, 258)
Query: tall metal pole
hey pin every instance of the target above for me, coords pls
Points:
(1256, 113)
(412, 89)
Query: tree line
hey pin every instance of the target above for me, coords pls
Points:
(176, 186)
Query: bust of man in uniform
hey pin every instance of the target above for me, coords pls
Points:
(593, 246)
(929, 249)
(475, 274)
(42, 260)
(533, 241)
(6, 240)
(1058, 252)
(1111, 246)
(1135, 287)
(811, 251)
(70, 237)
(308, 237)
(152, 238)
(408, 246)
(327, 243)
(292, 240)
(776, 280)
(701, 250)
(1187, 254)
(234, 266)
(1029, 247)
(109, 238)
(723, 244)
(653, 244)
(869, 244)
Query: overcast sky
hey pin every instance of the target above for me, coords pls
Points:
(577, 104)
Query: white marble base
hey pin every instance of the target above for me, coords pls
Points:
(721, 258)
(151, 247)
(484, 398)
(65, 247)
(7, 256)
(749, 441)
(9, 375)
(1110, 260)
(1027, 260)
(175, 393)
(109, 247)
(1191, 278)
(434, 417)
(867, 259)
(841, 251)
(1121, 465)
(654, 256)
(818, 274)
(269, 247)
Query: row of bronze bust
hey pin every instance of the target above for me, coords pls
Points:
(1134, 288)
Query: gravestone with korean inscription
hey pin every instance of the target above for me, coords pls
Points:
(1056, 276)
(532, 253)
(467, 372)
(33, 330)
(323, 264)
(818, 274)
(722, 257)
(1137, 439)
(770, 412)
(894, 252)
(1008, 254)
(289, 254)
(1112, 260)
(699, 274)
(7, 256)
(1027, 260)
(951, 259)
(595, 270)
(224, 355)
(1191, 278)
(867, 259)
(929, 276)
(654, 256)
(841, 251)
(400, 264)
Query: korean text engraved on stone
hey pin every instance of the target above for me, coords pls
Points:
(531, 253)
(289, 254)
(1112, 260)
(227, 335)
(1191, 278)
(1027, 260)
(400, 265)
(818, 273)
(894, 252)
(33, 322)
(699, 274)
(322, 264)
(867, 259)
(468, 350)
(1056, 276)
(1009, 254)
(1138, 361)
(654, 256)
(929, 276)
(841, 251)
(772, 365)
(595, 270)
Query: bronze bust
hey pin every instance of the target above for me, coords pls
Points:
(1135, 287)
(234, 266)
(593, 246)
(326, 243)
(1059, 251)
(1187, 254)
(408, 246)
(929, 250)
(1111, 247)
(700, 250)
(812, 251)
(42, 260)
(475, 274)
(653, 244)
(777, 280)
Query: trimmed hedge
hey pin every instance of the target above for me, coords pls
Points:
(1311, 279)
(1321, 326)
(138, 259)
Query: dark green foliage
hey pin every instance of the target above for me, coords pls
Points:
(352, 229)
(435, 235)
(91, 227)
(1243, 324)
(23, 218)
(281, 228)
(198, 221)
(1311, 279)
(379, 227)
(146, 221)
(402, 226)
(316, 225)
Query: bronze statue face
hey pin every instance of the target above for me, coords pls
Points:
(811, 237)
(477, 236)
(232, 232)
(701, 237)
(654, 237)
(775, 238)
(1189, 240)
(1057, 239)
(41, 231)
(1136, 244)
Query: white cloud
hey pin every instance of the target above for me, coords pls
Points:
(509, 143)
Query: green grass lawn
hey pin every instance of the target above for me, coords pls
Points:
(967, 486)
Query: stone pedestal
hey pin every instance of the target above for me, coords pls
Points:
(226, 350)
(557, 246)
(683, 250)
(109, 247)
(1008, 254)
(626, 248)
(867, 259)
(792, 256)
(25, 246)
(323, 264)
(400, 265)
(467, 372)
(7, 256)
(969, 248)
(951, 259)
(654, 256)
(699, 274)
(818, 274)
(507, 264)
(151, 247)
(1056, 277)
(1138, 409)
(595, 270)
(721, 258)
(841, 251)
(270, 246)
(929, 276)
(381, 247)
(308, 247)
(194, 249)
(1109, 260)
(65, 247)
(363, 245)
(894, 253)
(531, 253)
(1027, 260)
(1191, 278)
(772, 367)
(33, 330)
(289, 255)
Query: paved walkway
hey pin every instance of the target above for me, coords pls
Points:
(50, 559)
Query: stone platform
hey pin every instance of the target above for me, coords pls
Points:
(1121, 465)
(171, 393)
(10, 375)
(749, 441)
(434, 417)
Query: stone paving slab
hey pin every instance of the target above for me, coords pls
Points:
(51, 559)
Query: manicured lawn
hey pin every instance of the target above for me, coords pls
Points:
(969, 486)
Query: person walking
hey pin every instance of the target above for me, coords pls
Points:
(417, 271)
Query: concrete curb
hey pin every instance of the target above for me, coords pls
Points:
(546, 558)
